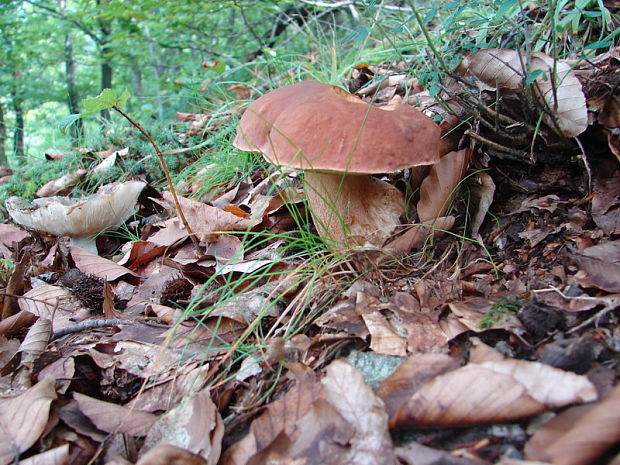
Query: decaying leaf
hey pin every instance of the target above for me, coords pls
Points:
(166, 454)
(57, 456)
(113, 418)
(195, 425)
(207, 221)
(49, 302)
(555, 83)
(347, 391)
(90, 263)
(23, 419)
(492, 391)
(580, 435)
(439, 187)
(36, 340)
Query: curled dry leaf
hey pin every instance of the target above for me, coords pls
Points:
(347, 391)
(483, 195)
(194, 425)
(440, 186)
(113, 418)
(410, 376)
(492, 391)
(23, 419)
(383, 338)
(10, 234)
(50, 302)
(92, 264)
(279, 420)
(580, 435)
(165, 454)
(417, 235)
(207, 221)
(556, 86)
(57, 456)
(62, 184)
(36, 340)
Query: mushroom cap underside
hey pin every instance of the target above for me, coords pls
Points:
(63, 216)
(319, 127)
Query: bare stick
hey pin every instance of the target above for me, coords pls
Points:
(177, 205)
(88, 324)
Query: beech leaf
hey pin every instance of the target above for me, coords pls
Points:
(553, 81)
(23, 419)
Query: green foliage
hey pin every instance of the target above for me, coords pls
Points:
(107, 99)
(26, 181)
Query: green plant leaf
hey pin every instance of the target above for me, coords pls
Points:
(533, 75)
(108, 98)
(67, 121)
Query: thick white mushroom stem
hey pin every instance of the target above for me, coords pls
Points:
(353, 209)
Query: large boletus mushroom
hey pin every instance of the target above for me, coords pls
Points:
(340, 141)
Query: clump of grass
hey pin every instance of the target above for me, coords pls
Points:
(503, 308)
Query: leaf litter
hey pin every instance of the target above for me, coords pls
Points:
(497, 300)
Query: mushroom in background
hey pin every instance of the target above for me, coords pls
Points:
(79, 219)
(340, 141)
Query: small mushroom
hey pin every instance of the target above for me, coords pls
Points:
(340, 141)
(80, 219)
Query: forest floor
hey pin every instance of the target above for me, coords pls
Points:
(496, 342)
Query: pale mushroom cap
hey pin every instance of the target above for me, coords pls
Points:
(314, 126)
(63, 216)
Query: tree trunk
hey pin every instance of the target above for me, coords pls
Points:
(72, 102)
(106, 74)
(105, 52)
(3, 158)
(18, 133)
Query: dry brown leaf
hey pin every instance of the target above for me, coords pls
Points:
(170, 390)
(483, 193)
(471, 311)
(279, 419)
(10, 234)
(492, 391)
(417, 235)
(557, 87)
(56, 456)
(36, 340)
(417, 454)
(90, 263)
(165, 454)
(410, 375)
(170, 234)
(13, 324)
(207, 221)
(113, 418)
(23, 419)
(139, 253)
(8, 350)
(62, 185)
(440, 186)
(347, 391)
(50, 302)
(383, 338)
(195, 425)
(600, 274)
(580, 435)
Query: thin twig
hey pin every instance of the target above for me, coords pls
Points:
(88, 324)
(164, 167)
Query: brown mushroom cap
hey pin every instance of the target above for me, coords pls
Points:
(315, 126)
